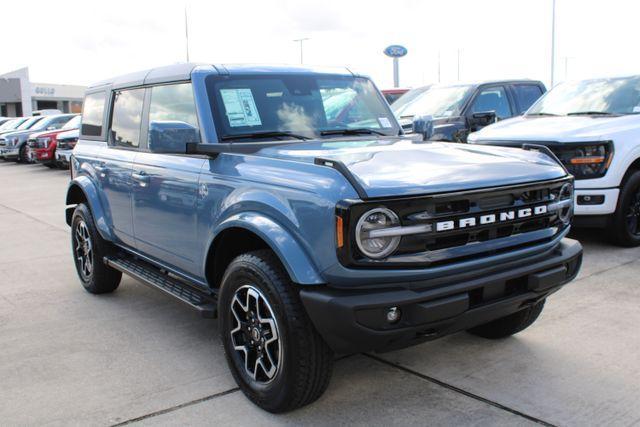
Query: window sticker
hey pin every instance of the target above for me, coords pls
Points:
(384, 122)
(241, 107)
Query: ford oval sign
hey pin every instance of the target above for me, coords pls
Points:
(395, 51)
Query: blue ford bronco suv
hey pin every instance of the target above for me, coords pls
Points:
(287, 202)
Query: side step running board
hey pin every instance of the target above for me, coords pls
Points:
(155, 278)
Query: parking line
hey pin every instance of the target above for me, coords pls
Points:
(459, 390)
(175, 408)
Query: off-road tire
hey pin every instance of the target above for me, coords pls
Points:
(628, 200)
(509, 325)
(306, 364)
(22, 154)
(102, 278)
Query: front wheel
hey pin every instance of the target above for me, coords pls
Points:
(625, 226)
(275, 354)
(509, 325)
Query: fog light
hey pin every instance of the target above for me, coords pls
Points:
(591, 199)
(393, 314)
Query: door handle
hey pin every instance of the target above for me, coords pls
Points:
(141, 177)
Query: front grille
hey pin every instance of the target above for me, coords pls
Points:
(36, 143)
(467, 225)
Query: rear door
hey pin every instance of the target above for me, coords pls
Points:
(165, 190)
(115, 167)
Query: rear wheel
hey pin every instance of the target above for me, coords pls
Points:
(625, 227)
(509, 325)
(89, 249)
(275, 354)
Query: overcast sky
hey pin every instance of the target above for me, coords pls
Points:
(79, 42)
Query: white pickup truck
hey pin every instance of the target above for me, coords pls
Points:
(593, 127)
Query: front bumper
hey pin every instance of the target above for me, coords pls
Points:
(606, 208)
(10, 153)
(355, 321)
(63, 157)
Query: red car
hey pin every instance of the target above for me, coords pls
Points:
(42, 145)
(391, 95)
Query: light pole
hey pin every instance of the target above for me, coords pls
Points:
(301, 41)
(553, 39)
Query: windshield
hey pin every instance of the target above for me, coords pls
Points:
(28, 124)
(308, 106)
(74, 123)
(407, 98)
(11, 124)
(605, 96)
(445, 101)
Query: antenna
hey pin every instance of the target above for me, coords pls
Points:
(186, 31)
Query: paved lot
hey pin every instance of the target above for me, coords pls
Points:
(70, 358)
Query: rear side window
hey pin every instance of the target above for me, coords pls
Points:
(93, 114)
(526, 96)
(173, 103)
(127, 115)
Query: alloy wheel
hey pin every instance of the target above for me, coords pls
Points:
(255, 336)
(83, 249)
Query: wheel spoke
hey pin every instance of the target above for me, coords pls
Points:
(254, 334)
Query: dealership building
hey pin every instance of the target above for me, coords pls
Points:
(19, 96)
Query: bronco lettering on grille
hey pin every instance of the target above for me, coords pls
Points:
(505, 216)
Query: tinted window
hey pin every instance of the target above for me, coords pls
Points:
(173, 103)
(127, 114)
(492, 99)
(527, 95)
(93, 114)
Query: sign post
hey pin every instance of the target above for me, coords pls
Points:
(396, 52)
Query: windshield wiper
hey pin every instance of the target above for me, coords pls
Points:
(591, 113)
(358, 131)
(266, 134)
(541, 114)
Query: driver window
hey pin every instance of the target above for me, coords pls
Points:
(492, 99)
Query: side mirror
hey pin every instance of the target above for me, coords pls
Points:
(171, 136)
(484, 118)
(423, 125)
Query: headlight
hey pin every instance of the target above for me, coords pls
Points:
(371, 242)
(586, 161)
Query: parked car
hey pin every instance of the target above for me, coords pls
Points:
(42, 145)
(13, 145)
(392, 95)
(12, 124)
(593, 127)
(309, 230)
(66, 141)
(3, 120)
(47, 112)
(451, 112)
